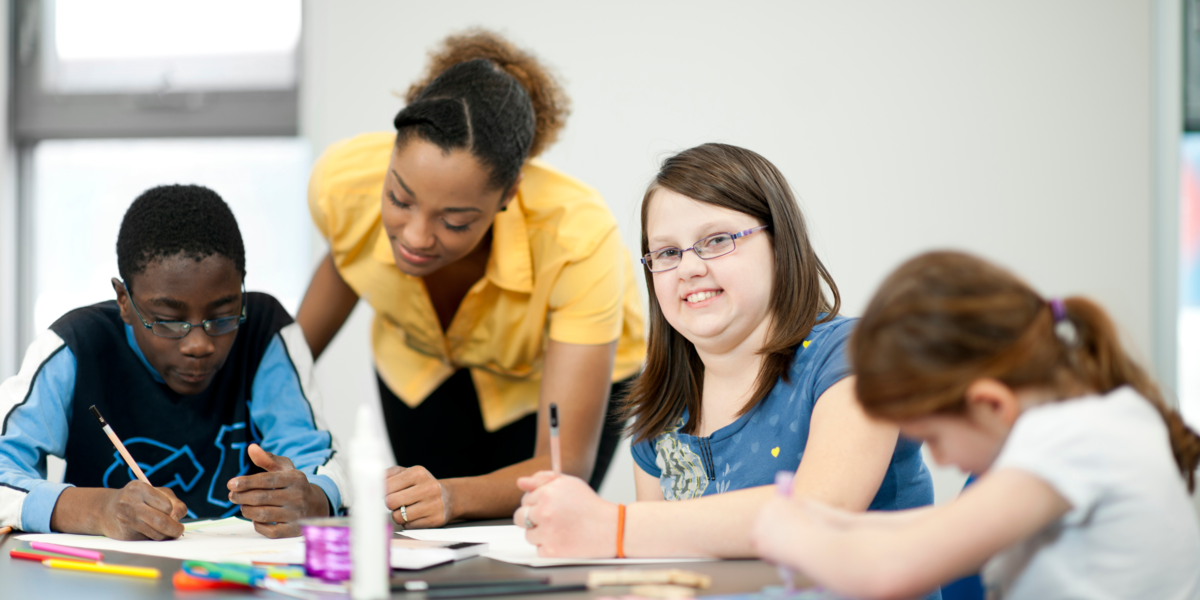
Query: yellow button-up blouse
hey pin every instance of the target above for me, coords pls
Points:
(557, 269)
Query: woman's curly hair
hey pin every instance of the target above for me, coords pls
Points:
(550, 102)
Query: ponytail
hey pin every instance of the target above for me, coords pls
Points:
(473, 106)
(1099, 361)
(945, 319)
(550, 103)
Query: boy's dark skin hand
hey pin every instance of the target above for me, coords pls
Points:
(278, 499)
(134, 512)
(182, 288)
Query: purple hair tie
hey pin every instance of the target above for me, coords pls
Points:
(1059, 309)
(1063, 327)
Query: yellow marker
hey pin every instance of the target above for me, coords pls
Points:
(71, 565)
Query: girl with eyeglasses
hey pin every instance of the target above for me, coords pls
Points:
(746, 376)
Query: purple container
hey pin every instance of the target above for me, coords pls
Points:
(327, 548)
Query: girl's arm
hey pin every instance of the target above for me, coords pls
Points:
(895, 556)
(578, 378)
(836, 517)
(325, 307)
(847, 454)
(844, 462)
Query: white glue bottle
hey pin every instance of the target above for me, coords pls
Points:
(370, 527)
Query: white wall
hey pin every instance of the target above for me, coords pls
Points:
(1018, 130)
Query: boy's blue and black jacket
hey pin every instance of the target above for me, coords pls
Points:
(191, 444)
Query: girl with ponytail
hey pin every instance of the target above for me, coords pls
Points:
(499, 284)
(1085, 470)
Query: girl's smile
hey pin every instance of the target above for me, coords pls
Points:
(700, 298)
(720, 303)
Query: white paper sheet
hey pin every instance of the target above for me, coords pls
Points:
(507, 544)
(235, 540)
(224, 540)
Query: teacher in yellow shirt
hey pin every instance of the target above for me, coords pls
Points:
(500, 285)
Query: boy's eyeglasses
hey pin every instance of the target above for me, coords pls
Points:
(180, 329)
(717, 244)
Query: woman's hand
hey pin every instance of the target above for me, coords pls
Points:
(425, 501)
(568, 518)
(276, 500)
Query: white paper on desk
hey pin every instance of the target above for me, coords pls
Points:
(234, 540)
(507, 544)
(224, 540)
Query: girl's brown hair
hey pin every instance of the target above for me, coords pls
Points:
(740, 180)
(946, 319)
(551, 106)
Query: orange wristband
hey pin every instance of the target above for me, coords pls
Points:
(620, 531)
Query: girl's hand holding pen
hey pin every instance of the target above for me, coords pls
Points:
(567, 517)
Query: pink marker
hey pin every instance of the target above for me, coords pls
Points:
(67, 550)
(555, 449)
(783, 487)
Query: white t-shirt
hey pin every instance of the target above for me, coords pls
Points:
(1131, 531)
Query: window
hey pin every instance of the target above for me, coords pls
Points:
(81, 188)
(124, 46)
(123, 68)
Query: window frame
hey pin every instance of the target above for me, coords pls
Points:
(40, 115)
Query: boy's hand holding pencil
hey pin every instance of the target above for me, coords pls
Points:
(134, 512)
(137, 511)
(140, 512)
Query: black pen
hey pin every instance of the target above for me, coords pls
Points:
(555, 450)
(419, 585)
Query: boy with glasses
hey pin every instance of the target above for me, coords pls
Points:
(208, 386)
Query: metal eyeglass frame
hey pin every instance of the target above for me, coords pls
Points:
(187, 327)
(732, 237)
